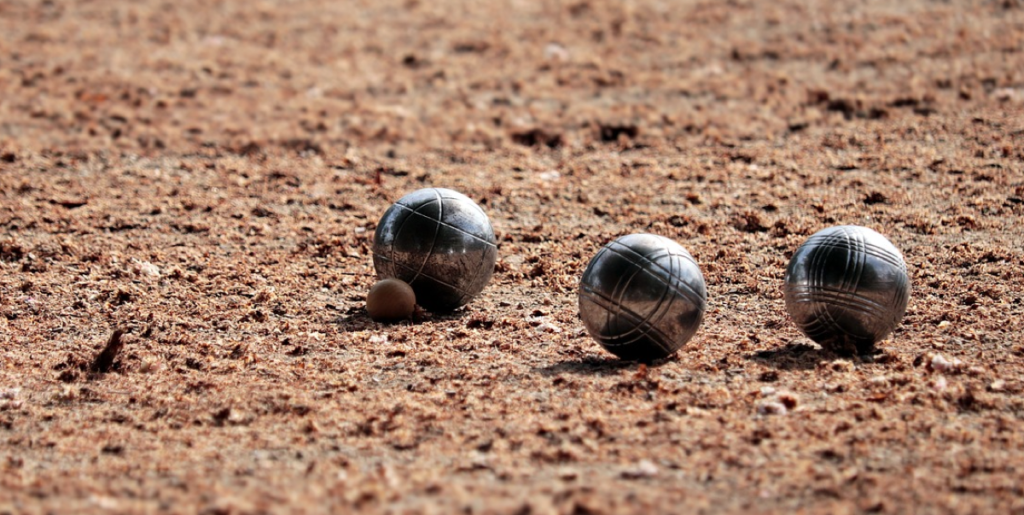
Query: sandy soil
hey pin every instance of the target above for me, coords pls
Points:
(208, 175)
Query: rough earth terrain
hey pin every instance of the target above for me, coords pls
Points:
(207, 177)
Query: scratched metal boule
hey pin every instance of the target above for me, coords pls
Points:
(438, 241)
(642, 297)
(847, 288)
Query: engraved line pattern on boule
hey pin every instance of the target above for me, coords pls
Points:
(847, 286)
(669, 273)
(642, 296)
(443, 224)
(902, 296)
(433, 241)
(426, 256)
(643, 324)
(432, 278)
(824, 314)
(618, 303)
(839, 297)
(440, 242)
(664, 282)
(610, 306)
(846, 296)
(654, 315)
(669, 281)
(458, 197)
(418, 272)
(847, 290)
(878, 250)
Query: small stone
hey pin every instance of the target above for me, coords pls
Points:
(939, 363)
(555, 51)
(643, 469)
(549, 176)
(145, 268)
(548, 327)
(842, 365)
(771, 408)
(1004, 94)
(789, 400)
(975, 371)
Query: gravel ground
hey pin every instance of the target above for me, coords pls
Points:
(207, 177)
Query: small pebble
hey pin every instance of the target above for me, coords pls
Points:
(547, 327)
(554, 51)
(568, 474)
(145, 268)
(771, 408)
(643, 469)
(789, 399)
(939, 363)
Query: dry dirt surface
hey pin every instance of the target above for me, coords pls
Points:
(207, 177)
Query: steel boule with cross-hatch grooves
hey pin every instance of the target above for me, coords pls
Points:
(642, 297)
(438, 241)
(847, 288)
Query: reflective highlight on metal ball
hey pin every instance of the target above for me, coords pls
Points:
(847, 288)
(440, 242)
(642, 297)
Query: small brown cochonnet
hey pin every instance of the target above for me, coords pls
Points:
(390, 300)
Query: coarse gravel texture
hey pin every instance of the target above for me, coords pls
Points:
(207, 176)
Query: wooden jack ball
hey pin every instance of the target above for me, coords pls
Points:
(390, 300)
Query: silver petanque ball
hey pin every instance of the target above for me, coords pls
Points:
(642, 297)
(847, 288)
(439, 242)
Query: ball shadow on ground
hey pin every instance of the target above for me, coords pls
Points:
(792, 356)
(594, 365)
(357, 319)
